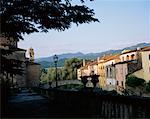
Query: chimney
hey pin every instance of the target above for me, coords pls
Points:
(98, 59)
(83, 62)
(138, 48)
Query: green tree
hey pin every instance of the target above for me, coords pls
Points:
(70, 68)
(43, 76)
(134, 81)
(20, 17)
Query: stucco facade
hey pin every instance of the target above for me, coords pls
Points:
(127, 55)
(144, 73)
(121, 72)
(101, 73)
(146, 64)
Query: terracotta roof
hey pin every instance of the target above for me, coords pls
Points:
(93, 62)
(129, 51)
(109, 57)
(145, 48)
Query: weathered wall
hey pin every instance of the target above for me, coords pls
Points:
(33, 74)
(90, 104)
(146, 65)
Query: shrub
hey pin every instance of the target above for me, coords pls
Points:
(147, 87)
(134, 81)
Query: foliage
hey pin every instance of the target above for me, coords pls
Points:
(43, 77)
(133, 81)
(70, 68)
(10, 65)
(27, 16)
(69, 71)
(71, 86)
(147, 87)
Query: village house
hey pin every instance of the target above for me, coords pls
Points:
(130, 62)
(110, 71)
(101, 72)
(114, 69)
(87, 68)
(144, 72)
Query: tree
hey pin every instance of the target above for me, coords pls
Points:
(10, 66)
(70, 68)
(20, 17)
(134, 81)
(43, 77)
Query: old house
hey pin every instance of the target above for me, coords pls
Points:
(144, 71)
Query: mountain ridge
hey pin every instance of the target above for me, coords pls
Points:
(48, 61)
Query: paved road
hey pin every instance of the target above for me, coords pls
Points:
(32, 105)
(29, 105)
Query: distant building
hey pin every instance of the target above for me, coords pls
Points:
(122, 69)
(110, 71)
(130, 62)
(127, 55)
(101, 73)
(144, 72)
(114, 69)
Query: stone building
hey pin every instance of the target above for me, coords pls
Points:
(18, 54)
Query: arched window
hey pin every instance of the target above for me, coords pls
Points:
(132, 57)
(127, 58)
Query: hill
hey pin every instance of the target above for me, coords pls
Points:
(48, 61)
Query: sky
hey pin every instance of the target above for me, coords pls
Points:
(122, 23)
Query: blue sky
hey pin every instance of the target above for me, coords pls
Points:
(122, 23)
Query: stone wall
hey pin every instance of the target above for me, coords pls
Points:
(33, 74)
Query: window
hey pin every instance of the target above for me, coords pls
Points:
(110, 73)
(122, 58)
(121, 83)
(117, 83)
(107, 72)
(127, 58)
(132, 57)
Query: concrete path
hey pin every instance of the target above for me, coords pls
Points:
(32, 105)
(29, 105)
